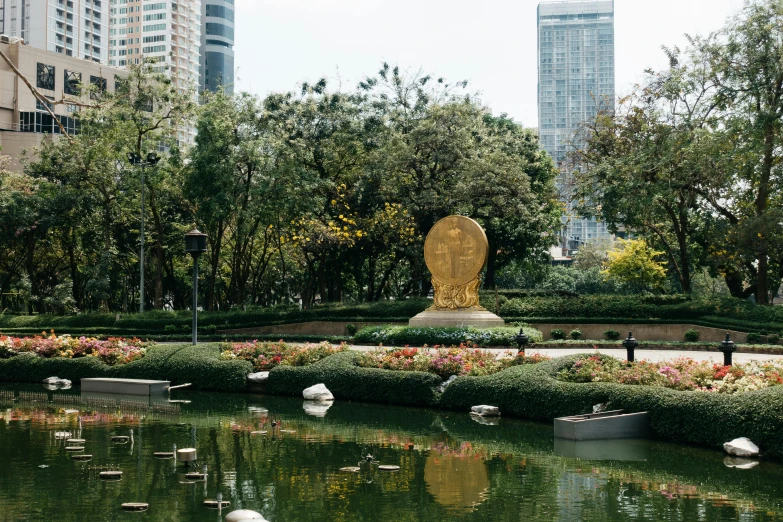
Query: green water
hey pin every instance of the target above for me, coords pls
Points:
(451, 467)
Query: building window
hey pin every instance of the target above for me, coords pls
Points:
(45, 77)
(73, 82)
(99, 87)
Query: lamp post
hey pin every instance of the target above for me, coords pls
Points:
(630, 344)
(728, 347)
(522, 341)
(137, 161)
(195, 245)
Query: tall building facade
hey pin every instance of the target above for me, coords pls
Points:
(217, 45)
(166, 31)
(576, 79)
(77, 28)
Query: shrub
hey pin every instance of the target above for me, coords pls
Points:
(754, 338)
(267, 355)
(575, 334)
(557, 333)
(692, 335)
(199, 365)
(347, 381)
(612, 335)
(113, 351)
(351, 329)
(773, 339)
(405, 335)
(444, 362)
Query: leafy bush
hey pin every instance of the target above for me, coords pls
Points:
(773, 339)
(557, 333)
(267, 355)
(444, 362)
(351, 329)
(575, 334)
(532, 392)
(347, 381)
(199, 365)
(612, 335)
(754, 338)
(692, 335)
(114, 351)
(405, 335)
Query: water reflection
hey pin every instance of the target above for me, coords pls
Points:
(451, 468)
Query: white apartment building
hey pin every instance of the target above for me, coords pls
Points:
(77, 28)
(167, 31)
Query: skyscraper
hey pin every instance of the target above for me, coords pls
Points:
(166, 31)
(575, 80)
(217, 45)
(77, 28)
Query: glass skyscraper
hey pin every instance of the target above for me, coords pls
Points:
(217, 45)
(575, 80)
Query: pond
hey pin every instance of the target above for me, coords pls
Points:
(451, 466)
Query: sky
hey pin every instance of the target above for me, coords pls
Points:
(491, 43)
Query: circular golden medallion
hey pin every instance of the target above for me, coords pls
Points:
(455, 250)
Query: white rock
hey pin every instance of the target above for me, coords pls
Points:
(316, 408)
(57, 381)
(485, 411)
(243, 514)
(319, 392)
(741, 447)
(445, 384)
(258, 378)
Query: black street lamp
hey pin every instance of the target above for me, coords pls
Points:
(137, 161)
(630, 345)
(195, 245)
(522, 341)
(728, 347)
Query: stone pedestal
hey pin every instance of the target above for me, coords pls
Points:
(441, 318)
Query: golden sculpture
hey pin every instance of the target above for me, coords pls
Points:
(455, 252)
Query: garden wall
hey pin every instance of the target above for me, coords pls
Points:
(642, 332)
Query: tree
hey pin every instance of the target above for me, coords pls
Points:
(634, 263)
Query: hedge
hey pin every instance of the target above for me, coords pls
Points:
(199, 365)
(415, 336)
(350, 382)
(710, 419)
(532, 392)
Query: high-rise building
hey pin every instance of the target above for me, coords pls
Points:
(217, 45)
(166, 31)
(77, 28)
(575, 80)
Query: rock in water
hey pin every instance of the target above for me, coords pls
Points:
(741, 447)
(243, 514)
(258, 378)
(56, 381)
(319, 392)
(485, 411)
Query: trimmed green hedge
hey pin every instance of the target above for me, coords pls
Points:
(350, 382)
(391, 335)
(199, 365)
(710, 419)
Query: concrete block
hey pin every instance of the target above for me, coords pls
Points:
(125, 386)
(603, 426)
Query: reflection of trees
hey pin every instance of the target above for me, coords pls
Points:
(500, 473)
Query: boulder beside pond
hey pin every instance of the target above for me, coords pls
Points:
(741, 447)
(319, 392)
(485, 411)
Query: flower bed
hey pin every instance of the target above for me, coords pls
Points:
(406, 335)
(445, 361)
(113, 351)
(683, 374)
(267, 355)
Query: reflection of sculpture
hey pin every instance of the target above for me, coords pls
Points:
(455, 252)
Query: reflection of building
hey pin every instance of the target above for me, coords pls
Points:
(78, 28)
(458, 483)
(217, 45)
(24, 121)
(575, 79)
